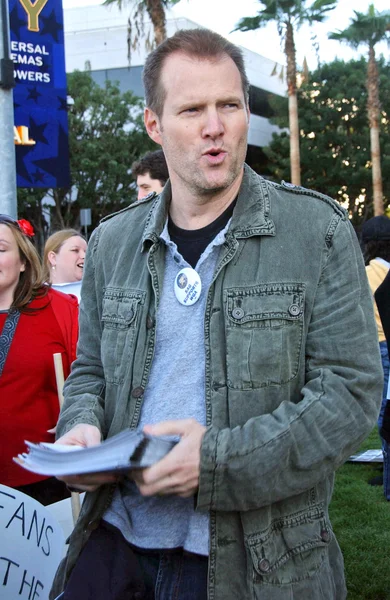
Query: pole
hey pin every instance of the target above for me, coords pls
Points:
(59, 371)
(8, 199)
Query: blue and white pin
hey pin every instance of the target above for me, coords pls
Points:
(188, 286)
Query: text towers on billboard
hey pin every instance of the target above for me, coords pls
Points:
(40, 95)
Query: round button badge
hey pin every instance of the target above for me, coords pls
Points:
(188, 286)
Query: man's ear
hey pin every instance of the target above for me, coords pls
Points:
(152, 125)
(248, 112)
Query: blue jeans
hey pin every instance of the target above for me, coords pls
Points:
(111, 569)
(173, 575)
(385, 445)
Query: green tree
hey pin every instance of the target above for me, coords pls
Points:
(289, 15)
(106, 134)
(335, 136)
(369, 29)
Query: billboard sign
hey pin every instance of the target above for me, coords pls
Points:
(40, 96)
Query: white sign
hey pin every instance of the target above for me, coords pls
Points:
(31, 547)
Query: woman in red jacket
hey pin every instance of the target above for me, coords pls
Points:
(35, 323)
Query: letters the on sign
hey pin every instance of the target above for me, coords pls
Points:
(32, 543)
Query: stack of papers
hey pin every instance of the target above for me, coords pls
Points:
(122, 452)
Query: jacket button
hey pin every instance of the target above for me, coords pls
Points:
(149, 322)
(325, 536)
(137, 392)
(264, 565)
(294, 310)
(237, 313)
(130, 314)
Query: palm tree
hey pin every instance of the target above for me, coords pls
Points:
(369, 29)
(289, 15)
(155, 9)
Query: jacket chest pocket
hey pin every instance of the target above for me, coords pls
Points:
(120, 316)
(264, 328)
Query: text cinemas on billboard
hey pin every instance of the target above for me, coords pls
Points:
(40, 96)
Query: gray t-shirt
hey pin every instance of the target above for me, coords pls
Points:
(176, 390)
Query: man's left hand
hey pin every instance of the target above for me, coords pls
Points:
(178, 472)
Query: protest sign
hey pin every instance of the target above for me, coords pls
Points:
(31, 547)
(40, 96)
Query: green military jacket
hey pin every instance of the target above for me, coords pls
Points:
(293, 379)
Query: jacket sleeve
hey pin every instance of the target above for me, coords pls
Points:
(72, 328)
(66, 312)
(84, 389)
(278, 455)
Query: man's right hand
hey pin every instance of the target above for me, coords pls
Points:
(86, 436)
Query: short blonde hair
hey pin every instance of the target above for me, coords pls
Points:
(53, 244)
(201, 44)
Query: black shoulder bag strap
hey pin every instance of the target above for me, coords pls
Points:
(7, 336)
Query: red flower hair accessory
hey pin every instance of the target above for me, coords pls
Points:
(26, 227)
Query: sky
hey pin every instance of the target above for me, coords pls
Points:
(223, 15)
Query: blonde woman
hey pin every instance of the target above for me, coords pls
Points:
(63, 261)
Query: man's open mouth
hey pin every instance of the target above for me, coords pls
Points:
(214, 152)
(215, 156)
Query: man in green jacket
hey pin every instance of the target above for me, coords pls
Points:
(233, 314)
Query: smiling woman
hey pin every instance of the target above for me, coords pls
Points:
(63, 261)
(35, 323)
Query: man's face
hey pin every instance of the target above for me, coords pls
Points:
(204, 125)
(146, 185)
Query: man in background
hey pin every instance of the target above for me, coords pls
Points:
(382, 300)
(150, 173)
(376, 242)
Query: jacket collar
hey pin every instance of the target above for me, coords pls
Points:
(250, 216)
